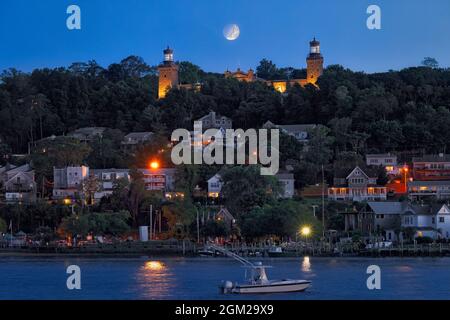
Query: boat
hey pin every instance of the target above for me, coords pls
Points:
(205, 253)
(259, 283)
(275, 251)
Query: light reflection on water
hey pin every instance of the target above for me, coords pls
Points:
(306, 264)
(155, 280)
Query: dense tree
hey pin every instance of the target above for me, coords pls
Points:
(245, 188)
(430, 62)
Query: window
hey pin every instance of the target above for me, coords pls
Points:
(441, 219)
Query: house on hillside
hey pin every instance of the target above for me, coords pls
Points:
(107, 179)
(431, 167)
(87, 134)
(215, 121)
(134, 139)
(18, 183)
(68, 183)
(357, 185)
(436, 189)
(386, 160)
(300, 132)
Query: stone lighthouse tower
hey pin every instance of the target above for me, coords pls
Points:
(314, 62)
(168, 74)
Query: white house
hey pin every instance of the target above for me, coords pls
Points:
(287, 184)
(386, 160)
(418, 190)
(357, 186)
(427, 221)
(214, 186)
(68, 182)
(106, 179)
(18, 183)
(443, 221)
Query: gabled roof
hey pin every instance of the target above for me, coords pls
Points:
(445, 209)
(23, 168)
(357, 168)
(345, 173)
(224, 212)
(418, 209)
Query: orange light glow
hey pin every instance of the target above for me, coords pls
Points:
(154, 265)
(154, 165)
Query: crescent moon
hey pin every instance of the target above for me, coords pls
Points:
(231, 32)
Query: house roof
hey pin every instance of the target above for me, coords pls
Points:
(138, 135)
(86, 132)
(210, 114)
(345, 173)
(418, 209)
(380, 155)
(225, 213)
(23, 168)
(387, 207)
(417, 183)
(112, 170)
(433, 158)
(291, 128)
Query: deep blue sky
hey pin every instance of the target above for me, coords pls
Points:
(33, 33)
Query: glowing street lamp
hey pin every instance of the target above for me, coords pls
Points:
(154, 165)
(305, 231)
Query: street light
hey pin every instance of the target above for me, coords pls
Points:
(405, 171)
(154, 165)
(305, 231)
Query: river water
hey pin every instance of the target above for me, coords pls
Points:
(198, 278)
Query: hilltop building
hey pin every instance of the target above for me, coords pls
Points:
(314, 69)
(168, 73)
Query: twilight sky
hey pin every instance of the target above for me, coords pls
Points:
(34, 33)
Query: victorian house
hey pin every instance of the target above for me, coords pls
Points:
(358, 185)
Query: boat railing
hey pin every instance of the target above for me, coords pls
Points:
(231, 255)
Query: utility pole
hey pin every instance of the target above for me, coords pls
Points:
(151, 222)
(198, 228)
(159, 220)
(323, 203)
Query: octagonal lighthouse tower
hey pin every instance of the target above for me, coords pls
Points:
(168, 74)
(314, 62)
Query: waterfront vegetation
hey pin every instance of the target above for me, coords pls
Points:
(404, 111)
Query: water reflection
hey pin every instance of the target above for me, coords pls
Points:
(155, 280)
(306, 265)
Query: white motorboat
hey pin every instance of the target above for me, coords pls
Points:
(259, 283)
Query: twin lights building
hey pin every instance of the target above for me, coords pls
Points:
(168, 73)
